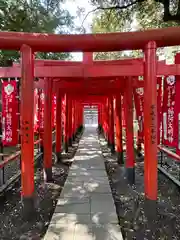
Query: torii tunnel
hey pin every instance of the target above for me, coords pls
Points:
(89, 82)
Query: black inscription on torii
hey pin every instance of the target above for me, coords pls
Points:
(153, 124)
(25, 131)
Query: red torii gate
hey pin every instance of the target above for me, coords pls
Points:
(64, 86)
(149, 40)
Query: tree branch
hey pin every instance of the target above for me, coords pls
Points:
(167, 15)
(117, 7)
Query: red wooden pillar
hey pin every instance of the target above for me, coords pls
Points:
(58, 125)
(70, 121)
(27, 130)
(107, 120)
(119, 146)
(82, 115)
(100, 123)
(130, 158)
(104, 120)
(99, 120)
(100, 114)
(66, 124)
(78, 115)
(73, 120)
(47, 139)
(111, 125)
(150, 123)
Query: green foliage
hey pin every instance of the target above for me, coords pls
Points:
(110, 21)
(142, 15)
(33, 16)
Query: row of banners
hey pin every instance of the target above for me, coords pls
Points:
(10, 109)
(168, 111)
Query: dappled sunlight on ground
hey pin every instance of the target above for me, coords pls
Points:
(85, 209)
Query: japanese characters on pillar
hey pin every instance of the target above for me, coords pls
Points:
(36, 110)
(27, 129)
(9, 113)
(150, 126)
(169, 138)
(41, 111)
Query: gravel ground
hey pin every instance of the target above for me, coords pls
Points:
(12, 224)
(129, 203)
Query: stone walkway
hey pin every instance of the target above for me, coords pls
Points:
(85, 209)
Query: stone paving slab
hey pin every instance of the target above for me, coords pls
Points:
(79, 192)
(76, 231)
(106, 232)
(60, 232)
(89, 173)
(77, 208)
(102, 203)
(85, 209)
(83, 232)
(69, 218)
(69, 200)
(87, 179)
(104, 218)
(94, 187)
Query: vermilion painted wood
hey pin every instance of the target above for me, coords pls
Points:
(70, 119)
(118, 124)
(169, 153)
(58, 122)
(27, 119)
(86, 60)
(128, 98)
(90, 42)
(111, 123)
(150, 122)
(47, 137)
(95, 71)
(66, 123)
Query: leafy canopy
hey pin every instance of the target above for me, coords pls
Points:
(33, 16)
(114, 16)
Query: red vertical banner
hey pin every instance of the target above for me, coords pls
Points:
(168, 112)
(9, 113)
(177, 116)
(36, 110)
(159, 108)
(177, 107)
(139, 106)
(63, 114)
(123, 112)
(54, 110)
(41, 111)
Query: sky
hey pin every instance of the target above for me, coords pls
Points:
(72, 7)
